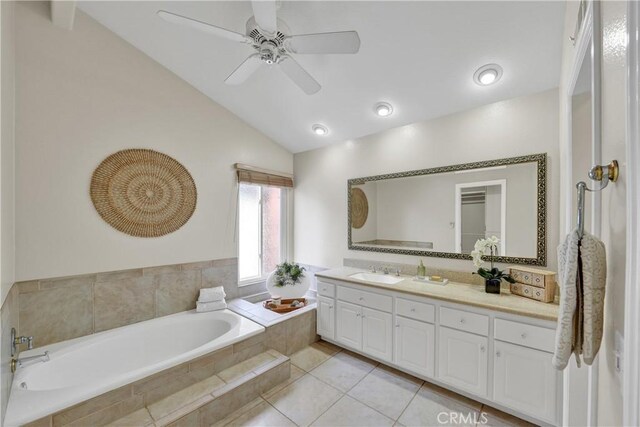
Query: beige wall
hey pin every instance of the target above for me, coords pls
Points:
(613, 220)
(518, 126)
(7, 149)
(84, 94)
(9, 312)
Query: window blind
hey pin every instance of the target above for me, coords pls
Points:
(254, 175)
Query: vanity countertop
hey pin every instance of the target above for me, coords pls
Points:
(461, 293)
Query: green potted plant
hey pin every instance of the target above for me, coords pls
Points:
(286, 281)
(492, 277)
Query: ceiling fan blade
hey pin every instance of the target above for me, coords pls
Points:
(340, 42)
(265, 13)
(299, 75)
(244, 70)
(203, 26)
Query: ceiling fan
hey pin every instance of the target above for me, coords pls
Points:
(274, 44)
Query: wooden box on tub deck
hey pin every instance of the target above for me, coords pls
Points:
(533, 283)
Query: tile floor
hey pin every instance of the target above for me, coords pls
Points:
(333, 387)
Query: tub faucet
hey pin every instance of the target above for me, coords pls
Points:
(30, 360)
(16, 341)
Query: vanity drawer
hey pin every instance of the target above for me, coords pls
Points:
(415, 310)
(364, 298)
(464, 321)
(327, 289)
(523, 334)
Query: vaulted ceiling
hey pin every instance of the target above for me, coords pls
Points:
(418, 56)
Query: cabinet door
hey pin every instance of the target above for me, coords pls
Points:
(525, 380)
(377, 333)
(463, 360)
(326, 317)
(415, 345)
(349, 325)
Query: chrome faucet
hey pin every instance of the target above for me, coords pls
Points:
(388, 270)
(30, 360)
(16, 341)
(372, 268)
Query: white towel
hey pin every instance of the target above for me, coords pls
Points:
(202, 307)
(582, 276)
(212, 294)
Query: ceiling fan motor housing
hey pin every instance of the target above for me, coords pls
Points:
(269, 46)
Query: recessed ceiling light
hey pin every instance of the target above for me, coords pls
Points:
(487, 74)
(383, 109)
(319, 129)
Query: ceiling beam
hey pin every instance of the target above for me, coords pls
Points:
(63, 13)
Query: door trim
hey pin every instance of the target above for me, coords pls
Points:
(631, 353)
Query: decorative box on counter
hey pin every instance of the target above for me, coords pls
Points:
(533, 283)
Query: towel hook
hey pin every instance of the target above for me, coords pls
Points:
(600, 173)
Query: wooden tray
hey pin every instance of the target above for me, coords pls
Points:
(285, 306)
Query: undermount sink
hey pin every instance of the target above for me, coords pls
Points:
(377, 278)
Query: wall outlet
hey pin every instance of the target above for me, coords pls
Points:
(618, 352)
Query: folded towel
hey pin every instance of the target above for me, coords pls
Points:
(202, 307)
(582, 276)
(212, 294)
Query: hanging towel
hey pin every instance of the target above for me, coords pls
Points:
(212, 294)
(582, 276)
(202, 307)
(594, 278)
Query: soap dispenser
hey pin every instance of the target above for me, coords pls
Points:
(422, 271)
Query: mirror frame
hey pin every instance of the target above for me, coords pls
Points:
(541, 253)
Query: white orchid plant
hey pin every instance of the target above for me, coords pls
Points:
(479, 251)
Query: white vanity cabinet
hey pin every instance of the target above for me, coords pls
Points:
(326, 317)
(377, 334)
(523, 377)
(415, 345)
(364, 322)
(463, 360)
(500, 359)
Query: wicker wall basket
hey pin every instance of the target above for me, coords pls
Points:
(143, 193)
(359, 208)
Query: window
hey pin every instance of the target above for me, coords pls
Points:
(262, 230)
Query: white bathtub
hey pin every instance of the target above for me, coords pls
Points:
(86, 367)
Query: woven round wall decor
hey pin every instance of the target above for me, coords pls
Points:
(359, 208)
(143, 193)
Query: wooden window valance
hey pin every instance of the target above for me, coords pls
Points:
(254, 175)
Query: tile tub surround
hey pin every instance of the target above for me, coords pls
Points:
(148, 391)
(334, 387)
(58, 309)
(461, 293)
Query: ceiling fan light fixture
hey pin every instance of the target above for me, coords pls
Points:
(319, 130)
(487, 74)
(383, 109)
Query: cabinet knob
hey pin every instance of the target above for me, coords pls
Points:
(361, 298)
(462, 320)
(524, 335)
(497, 354)
(397, 326)
(357, 314)
(482, 348)
(413, 310)
(330, 306)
